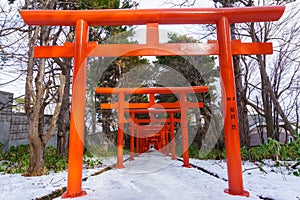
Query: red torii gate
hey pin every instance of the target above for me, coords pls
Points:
(183, 105)
(171, 120)
(81, 49)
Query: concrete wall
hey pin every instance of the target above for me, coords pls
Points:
(19, 130)
(5, 118)
(14, 126)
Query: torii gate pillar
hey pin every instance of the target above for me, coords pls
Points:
(76, 142)
(231, 126)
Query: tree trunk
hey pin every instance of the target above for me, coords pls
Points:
(200, 134)
(277, 126)
(241, 104)
(36, 144)
(64, 114)
(266, 104)
(268, 94)
(37, 158)
(241, 96)
(93, 102)
(273, 98)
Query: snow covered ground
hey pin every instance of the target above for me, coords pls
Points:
(155, 176)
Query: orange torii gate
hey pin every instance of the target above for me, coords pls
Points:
(183, 105)
(171, 120)
(81, 49)
(157, 132)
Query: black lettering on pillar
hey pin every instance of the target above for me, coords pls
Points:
(232, 116)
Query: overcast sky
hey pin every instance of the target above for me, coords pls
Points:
(18, 87)
(165, 4)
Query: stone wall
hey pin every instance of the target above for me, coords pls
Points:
(5, 118)
(19, 129)
(14, 126)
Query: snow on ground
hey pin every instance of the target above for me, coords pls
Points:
(260, 180)
(17, 187)
(155, 176)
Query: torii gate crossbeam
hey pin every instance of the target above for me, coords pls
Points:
(81, 49)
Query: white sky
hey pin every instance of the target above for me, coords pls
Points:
(160, 3)
(18, 87)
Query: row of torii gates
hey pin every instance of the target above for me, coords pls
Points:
(157, 131)
(81, 49)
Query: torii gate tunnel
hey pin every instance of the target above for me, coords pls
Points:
(158, 133)
(168, 107)
(81, 49)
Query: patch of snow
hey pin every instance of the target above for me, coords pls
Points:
(153, 175)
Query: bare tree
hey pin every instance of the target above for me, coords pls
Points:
(277, 73)
(241, 90)
(42, 88)
(63, 121)
(284, 60)
(207, 32)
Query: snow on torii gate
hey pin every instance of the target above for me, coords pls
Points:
(81, 49)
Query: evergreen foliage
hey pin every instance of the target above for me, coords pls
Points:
(16, 160)
(272, 150)
(183, 71)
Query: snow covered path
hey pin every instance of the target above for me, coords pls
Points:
(154, 176)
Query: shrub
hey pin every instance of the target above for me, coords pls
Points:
(100, 152)
(193, 152)
(273, 150)
(214, 154)
(54, 161)
(16, 160)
